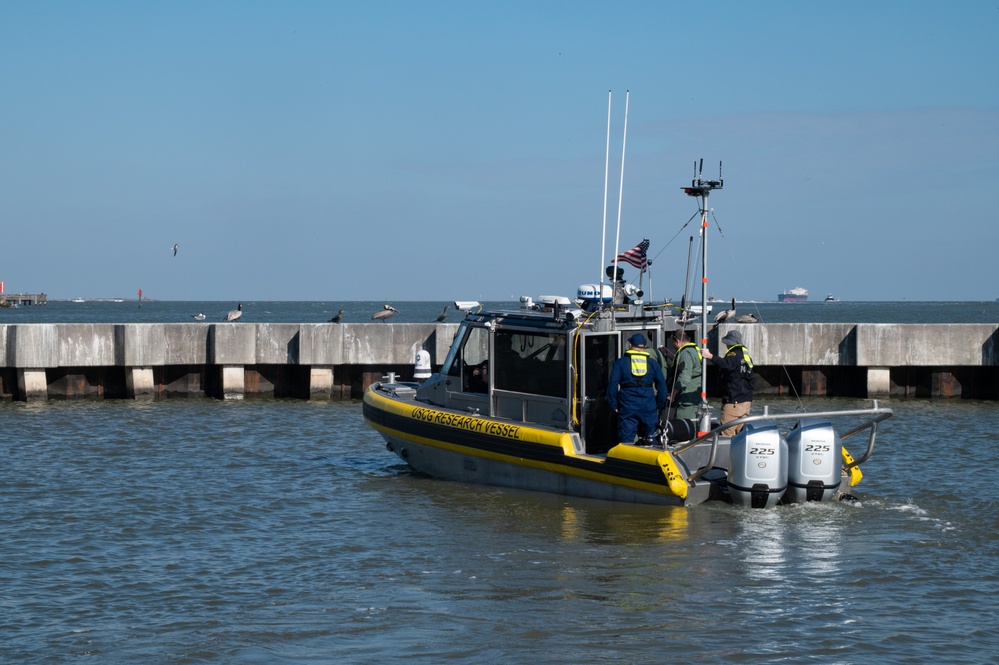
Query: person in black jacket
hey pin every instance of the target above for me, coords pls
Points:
(736, 370)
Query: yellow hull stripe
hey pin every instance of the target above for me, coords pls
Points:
(525, 434)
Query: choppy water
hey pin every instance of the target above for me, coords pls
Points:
(268, 531)
(155, 311)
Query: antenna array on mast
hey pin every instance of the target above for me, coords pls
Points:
(701, 187)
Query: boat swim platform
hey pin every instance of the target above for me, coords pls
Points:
(41, 361)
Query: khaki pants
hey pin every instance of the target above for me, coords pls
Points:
(732, 412)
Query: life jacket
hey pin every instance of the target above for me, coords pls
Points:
(639, 362)
(639, 369)
(700, 358)
(747, 362)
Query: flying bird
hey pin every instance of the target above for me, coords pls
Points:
(338, 318)
(234, 314)
(440, 319)
(386, 312)
(176, 246)
(726, 315)
(200, 316)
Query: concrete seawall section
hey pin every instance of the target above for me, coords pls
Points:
(339, 361)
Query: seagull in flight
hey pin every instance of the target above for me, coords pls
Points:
(176, 246)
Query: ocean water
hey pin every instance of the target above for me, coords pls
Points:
(156, 311)
(281, 531)
(272, 531)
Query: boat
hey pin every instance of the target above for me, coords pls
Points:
(797, 294)
(691, 311)
(829, 298)
(520, 401)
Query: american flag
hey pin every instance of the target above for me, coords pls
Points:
(636, 255)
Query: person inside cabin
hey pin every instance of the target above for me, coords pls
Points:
(636, 392)
(478, 379)
(685, 378)
(736, 374)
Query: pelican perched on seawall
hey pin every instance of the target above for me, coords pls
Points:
(200, 316)
(747, 318)
(385, 313)
(338, 318)
(726, 315)
(234, 314)
(440, 319)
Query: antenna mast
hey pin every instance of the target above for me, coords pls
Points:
(701, 188)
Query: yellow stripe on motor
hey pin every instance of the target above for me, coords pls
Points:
(855, 474)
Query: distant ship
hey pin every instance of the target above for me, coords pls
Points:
(830, 298)
(797, 294)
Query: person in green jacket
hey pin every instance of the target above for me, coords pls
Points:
(685, 377)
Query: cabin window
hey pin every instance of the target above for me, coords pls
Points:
(530, 362)
(471, 361)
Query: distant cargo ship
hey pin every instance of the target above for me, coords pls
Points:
(797, 294)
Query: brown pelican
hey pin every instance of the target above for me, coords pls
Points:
(747, 318)
(440, 319)
(338, 318)
(387, 312)
(200, 316)
(726, 315)
(234, 314)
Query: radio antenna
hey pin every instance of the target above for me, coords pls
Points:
(701, 188)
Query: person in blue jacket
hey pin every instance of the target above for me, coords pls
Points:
(636, 392)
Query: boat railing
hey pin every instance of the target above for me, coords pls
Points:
(875, 414)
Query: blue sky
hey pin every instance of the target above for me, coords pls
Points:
(455, 150)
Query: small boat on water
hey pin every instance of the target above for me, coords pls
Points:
(520, 401)
(829, 298)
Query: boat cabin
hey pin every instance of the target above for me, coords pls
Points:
(544, 366)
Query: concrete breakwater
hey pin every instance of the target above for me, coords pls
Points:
(339, 361)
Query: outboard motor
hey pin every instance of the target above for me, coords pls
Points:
(814, 461)
(758, 475)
